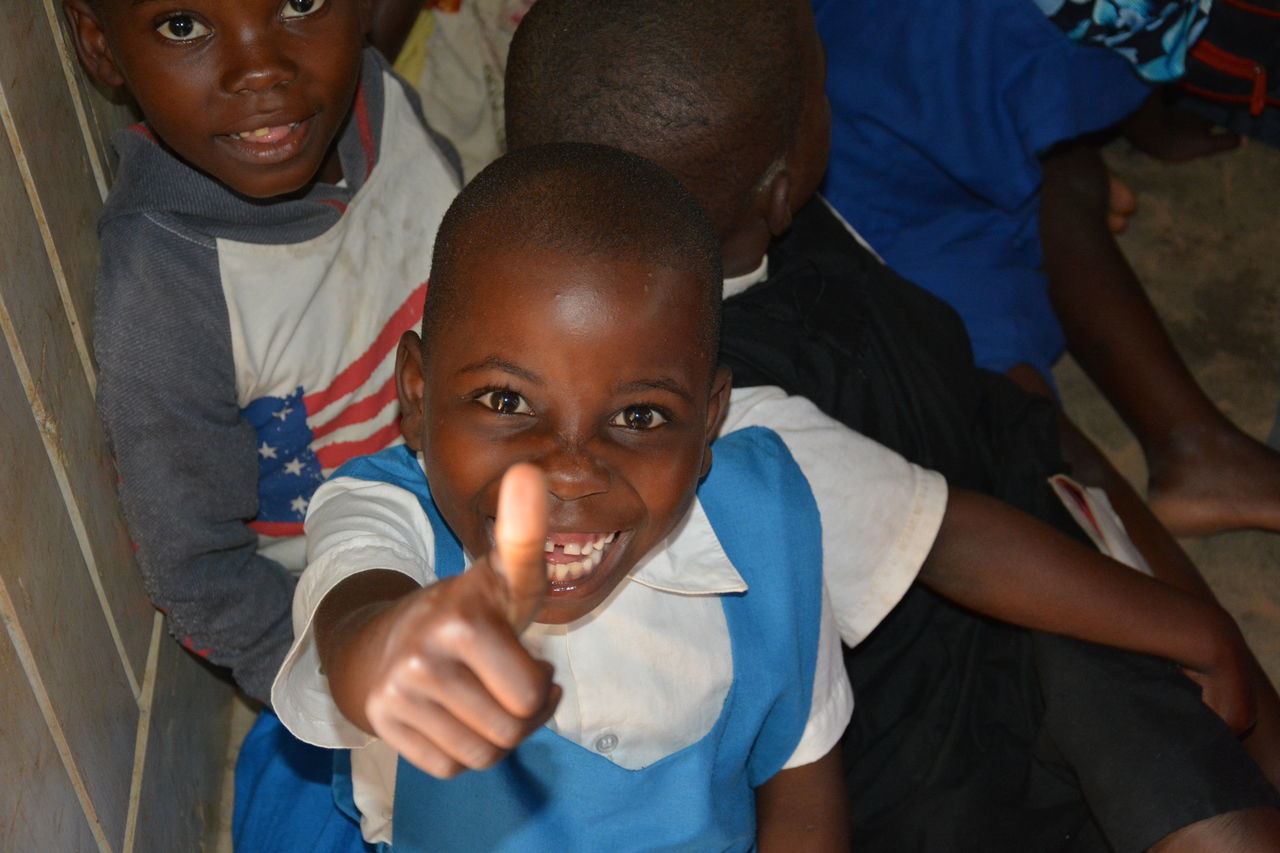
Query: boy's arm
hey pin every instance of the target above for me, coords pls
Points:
(804, 808)
(439, 673)
(1003, 563)
(187, 461)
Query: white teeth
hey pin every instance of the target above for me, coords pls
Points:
(575, 549)
(576, 569)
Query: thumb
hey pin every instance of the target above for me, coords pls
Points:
(520, 532)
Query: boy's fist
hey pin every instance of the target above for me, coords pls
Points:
(439, 673)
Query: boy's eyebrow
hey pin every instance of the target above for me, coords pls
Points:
(494, 363)
(661, 384)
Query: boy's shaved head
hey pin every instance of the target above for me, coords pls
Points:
(581, 200)
(710, 89)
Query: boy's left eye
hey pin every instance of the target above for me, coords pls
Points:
(300, 8)
(638, 417)
(181, 28)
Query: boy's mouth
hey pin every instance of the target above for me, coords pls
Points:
(266, 135)
(269, 144)
(573, 556)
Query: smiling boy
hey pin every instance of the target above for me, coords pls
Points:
(572, 323)
(264, 245)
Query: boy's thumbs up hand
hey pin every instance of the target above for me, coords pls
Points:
(520, 532)
(440, 673)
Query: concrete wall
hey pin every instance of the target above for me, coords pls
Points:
(112, 737)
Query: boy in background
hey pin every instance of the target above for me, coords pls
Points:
(265, 243)
(729, 97)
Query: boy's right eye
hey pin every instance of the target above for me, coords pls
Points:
(181, 28)
(505, 402)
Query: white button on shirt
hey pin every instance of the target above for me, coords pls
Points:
(646, 673)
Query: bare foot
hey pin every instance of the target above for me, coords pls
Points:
(1174, 135)
(1214, 482)
(1121, 203)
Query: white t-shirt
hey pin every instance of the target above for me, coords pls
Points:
(664, 626)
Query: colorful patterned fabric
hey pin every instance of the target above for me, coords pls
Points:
(1154, 35)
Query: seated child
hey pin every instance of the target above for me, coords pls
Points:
(824, 318)
(946, 117)
(264, 245)
(686, 604)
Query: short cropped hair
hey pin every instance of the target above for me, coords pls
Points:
(582, 200)
(711, 89)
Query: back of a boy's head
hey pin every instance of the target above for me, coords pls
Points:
(710, 89)
(581, 200)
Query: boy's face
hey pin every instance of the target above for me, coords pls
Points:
(251, 92)
(587, 367)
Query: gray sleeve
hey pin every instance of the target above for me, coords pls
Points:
(187, 460)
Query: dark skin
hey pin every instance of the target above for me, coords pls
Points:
(1164, 131)
(1168, 561)
(527, 444)
(1036, 577)
(252, 92)
(1205, 475)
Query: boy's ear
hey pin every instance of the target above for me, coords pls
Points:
(717, 410)
(410, 387)
(91, 43)
(777, 200)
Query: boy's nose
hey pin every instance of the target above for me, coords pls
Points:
(256, 66)
(573, 473)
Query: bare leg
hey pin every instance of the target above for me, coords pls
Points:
(1254, 830)
(1168, 133)
(1206, 476)
(1168, 561)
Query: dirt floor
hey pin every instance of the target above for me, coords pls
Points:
(1206, 243)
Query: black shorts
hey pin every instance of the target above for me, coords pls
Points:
(971, 735)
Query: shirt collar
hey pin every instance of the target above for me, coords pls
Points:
(690, 561)
(739, 283)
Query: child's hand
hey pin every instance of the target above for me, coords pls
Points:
(452, 687)
(1226, 681)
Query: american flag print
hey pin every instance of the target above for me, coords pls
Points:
(302, 437)
(315, 324)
